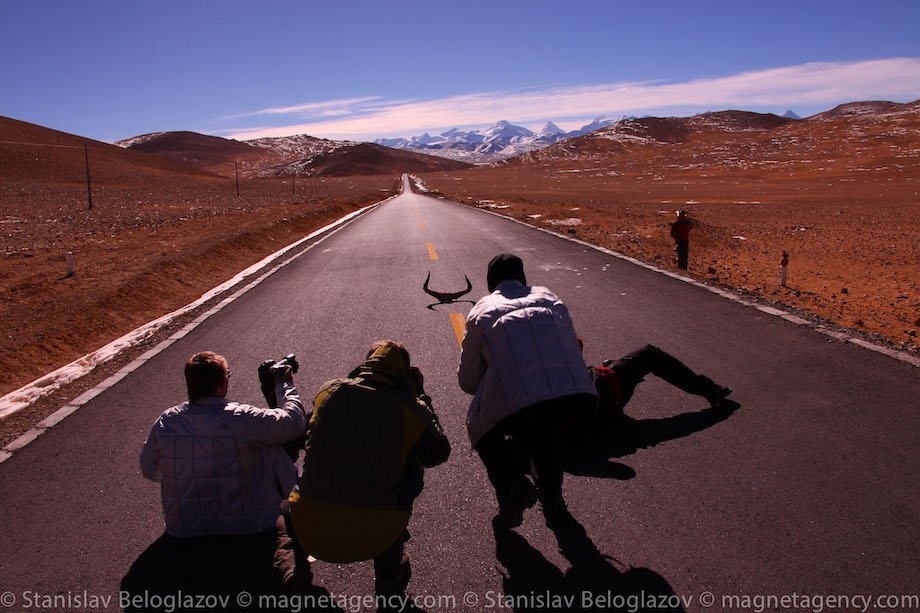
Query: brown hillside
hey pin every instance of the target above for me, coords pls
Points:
(839, 191)
(284, 156)
(877, 108)
(211, 153)
(372, 159)
(31, 153)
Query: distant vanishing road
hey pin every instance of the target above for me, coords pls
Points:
(810, 488)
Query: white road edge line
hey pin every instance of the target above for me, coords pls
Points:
(892, 353)
(21, 398)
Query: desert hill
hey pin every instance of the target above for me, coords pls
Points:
(369, 159)
(210, 153)
(34, 154)
(874, 107)
(277, 157)
(842, 137)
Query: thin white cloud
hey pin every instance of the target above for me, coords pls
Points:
(337, 107)
(825, 83)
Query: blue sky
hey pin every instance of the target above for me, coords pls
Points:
(365, 69)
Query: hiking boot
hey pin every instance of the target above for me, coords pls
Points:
(717, 394)
(518, 498)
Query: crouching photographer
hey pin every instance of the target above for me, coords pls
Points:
(223, 474)
(371, 436)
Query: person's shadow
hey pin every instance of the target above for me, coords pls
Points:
(212, 573)
(532, 583)
(590, 456)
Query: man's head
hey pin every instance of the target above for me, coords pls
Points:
(206, 374)
(391, 359)
(386, 343)
(681, 214)
(503, 267)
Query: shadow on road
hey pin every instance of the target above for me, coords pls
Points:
(212, 573)
(591, 458)
(434, 305)
(593, 583)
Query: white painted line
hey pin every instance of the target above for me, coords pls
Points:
(149, 354)
(771, 311)
(886, 351)
(840, 336)
(30, 435)
(10, 403)
(898, 355)
(85, 397)
(58, 416)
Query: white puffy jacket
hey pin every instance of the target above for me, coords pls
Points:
(220, 464)
(520, 348)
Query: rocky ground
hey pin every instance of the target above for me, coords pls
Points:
(853, 246)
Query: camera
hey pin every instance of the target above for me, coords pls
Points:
(267, 371)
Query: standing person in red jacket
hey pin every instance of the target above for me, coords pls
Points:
(680, 232)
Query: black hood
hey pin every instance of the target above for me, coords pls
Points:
(505, 266)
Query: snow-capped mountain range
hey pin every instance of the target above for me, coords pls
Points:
(502, 140)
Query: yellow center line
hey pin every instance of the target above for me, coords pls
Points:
(431, 251)
(458, 321)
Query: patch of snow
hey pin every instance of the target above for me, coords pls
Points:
(137, 140)
(419, 184)
(571, 221)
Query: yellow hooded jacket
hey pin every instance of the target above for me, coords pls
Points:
(369, 439)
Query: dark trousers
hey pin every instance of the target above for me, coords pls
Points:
(538, 433)
(632, 368)
(683, 252)
(291, 566)
(392, 570)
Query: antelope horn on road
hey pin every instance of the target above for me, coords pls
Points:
(445, 297)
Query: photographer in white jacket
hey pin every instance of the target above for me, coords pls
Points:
(521, 360)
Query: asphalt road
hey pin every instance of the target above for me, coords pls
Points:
(809, 488)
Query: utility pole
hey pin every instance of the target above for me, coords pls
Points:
(236, 167)
(89, 189)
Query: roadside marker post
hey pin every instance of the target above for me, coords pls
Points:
(89, 189)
